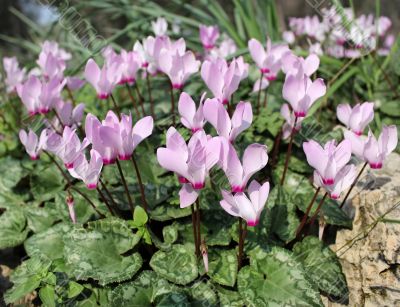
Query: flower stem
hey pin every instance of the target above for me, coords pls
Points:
(140, 99)
(133, 100)
(353, 184)
(318, 208)
(289, 151)
(172, 104)
(150, 96)
(105, 200)
(198, 232)
(108, 192)
(304, 219)
(275, 150)
(259, 94)
(141, 186)
(116, 107)
(265, 98)
(71, 96)
(71, 186)
(242, 237)
(194, 224)
(125, 186)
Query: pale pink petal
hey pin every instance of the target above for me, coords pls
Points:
(187, 195)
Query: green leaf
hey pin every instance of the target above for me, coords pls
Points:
(14, 171)
(119, 230)
(41, 218)
(166, 212)
(26, 278)
(178, 265)
(48, 242)
(140, 217)
(170, 233)
(276, 278)
(12, 228)
(321, 265)
(391, 108)
(147, 289)
(47, 295)
(95, 254)
(223, 266)
(203, 295)
(228, 298)
(46, 183)
(333, 215)
(74, 289)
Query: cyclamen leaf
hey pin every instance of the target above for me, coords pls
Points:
(12, 228)
(178, 265)
(223, 267)
(321, 265)
(95, 254)
(276, 278)
(203, 295)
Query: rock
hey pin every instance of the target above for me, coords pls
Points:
(370, 252)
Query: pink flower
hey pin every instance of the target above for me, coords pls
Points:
(248, 209)
(14, 75)
(301, 92)
(130, 64)
(40, 97)
(215, 113)
(376, 151)
(225, 49)
(88, 172)
(103, 80)
(290, 120)
(255, 157)
(33, 145)
(69, 116)
(264, 84)
(178, 67)
(145, 50)
(190, 117)
(221, 79)
(357, 118)
(74, 83)
(268, 60)
(54, 48)
(288, 36)
(192, 161)
(343, 180)
(160, 26)
(51, 66)
(67, 147)
(294, 65)
(121, 136)
(208, 36)
(327, 161)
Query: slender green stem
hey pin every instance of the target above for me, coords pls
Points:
(194, 224)
(275, 150)
(259, 94)
(140, 99)
(71, 96)
(304, 219)
(150, 96)
(103, 185)
(141, 186)
(198, 222)
(289, 151)
(242, 237)
(105, 200)
(116, 107)
(265, 98)
(353, 184)
(133, 100)
(172, 104)
(125, 186)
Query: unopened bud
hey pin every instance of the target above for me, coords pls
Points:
(204, 253)
(70, 204)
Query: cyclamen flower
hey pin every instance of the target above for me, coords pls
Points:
(327, 161)
(208, 36)
(54, 48)
(33, 145)
(74, 83)
(145, 49)
(289, 37)
(88, 171)
(160, 26)
(121, 136)
(14, 75)
(39, 97)
(268, 60)
(130, 64)
(51, 66)
(190, 117)
(248, 209)
(292, 64)
(215, 113)
(288, 115)
(69, 116)
(221, 79)
(255, 157)
(103, 80)
(357, 118)
(225, 49)
(191, 162)
(178, 67)
(343, 180)
(301, 92)
(67, 147)
(372, 150)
